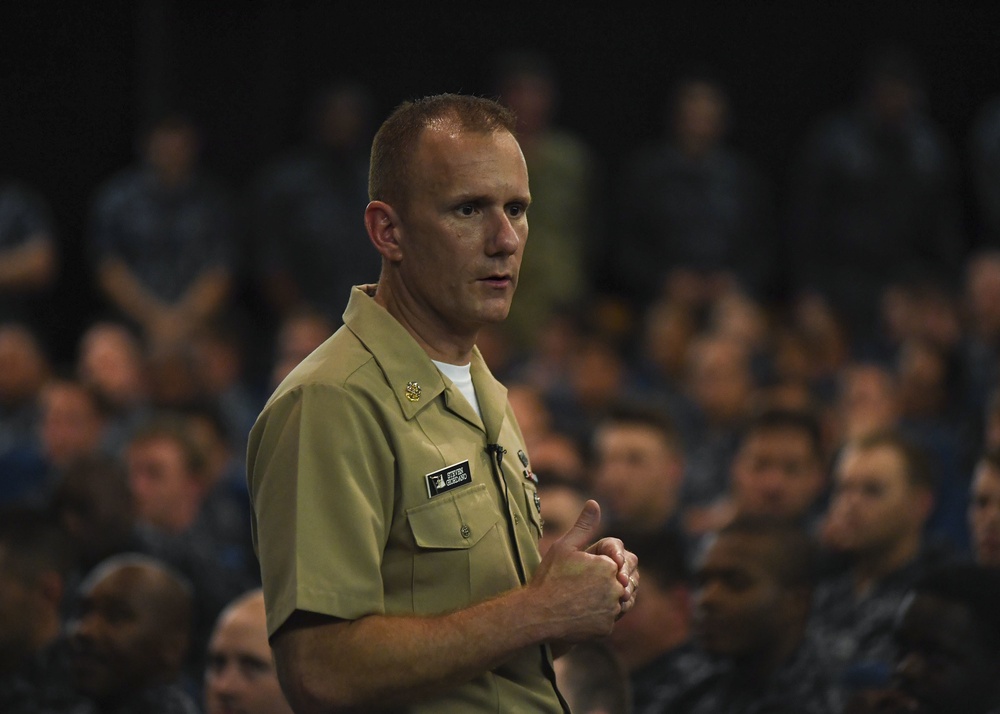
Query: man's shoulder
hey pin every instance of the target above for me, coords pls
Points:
(339, 362)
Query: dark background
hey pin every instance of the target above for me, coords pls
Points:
(78, 79)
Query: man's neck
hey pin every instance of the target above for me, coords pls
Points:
(439, 344)
(873, 566)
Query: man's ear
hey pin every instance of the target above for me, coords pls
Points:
(383, 225)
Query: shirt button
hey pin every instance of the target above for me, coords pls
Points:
(466, 531)
(517, 519)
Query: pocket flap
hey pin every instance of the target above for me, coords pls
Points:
(457, 520)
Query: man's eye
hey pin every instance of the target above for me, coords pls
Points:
(515, 209)
(467, 209)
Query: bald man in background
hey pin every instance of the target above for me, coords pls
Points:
(240, 677)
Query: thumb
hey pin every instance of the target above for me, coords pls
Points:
(581, 535)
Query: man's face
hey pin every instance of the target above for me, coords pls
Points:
(117, 639)
(943, 668)
(160, 482)
(463, 230)
(240, 677)
(71, 426)
(739, 604)
(637, 474)
(777, 474)
(874, 504)
(984, 515)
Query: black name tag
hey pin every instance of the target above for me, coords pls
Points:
(448, 478)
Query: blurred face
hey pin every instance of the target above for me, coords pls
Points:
(71, 424)
(984, 515)
(638, 474)
(777, 474)
(739, 604)
(18, 601)
(701, 114)
(720, 380)
(22, 366)
(110, 361)
(561, 507)
(117, 641)
(240, 678)
(943, 668)
(868, 402)
(874, 502)
(462, 232)
(165, 491)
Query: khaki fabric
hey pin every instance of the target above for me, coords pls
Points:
(343, 521)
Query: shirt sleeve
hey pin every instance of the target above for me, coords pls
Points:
(321, 478)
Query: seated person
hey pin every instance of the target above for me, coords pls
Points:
(240, 676)
(129, 638)
(592, 680)
(948, 633)
(754, 589)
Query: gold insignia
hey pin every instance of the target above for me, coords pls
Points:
(413, 391)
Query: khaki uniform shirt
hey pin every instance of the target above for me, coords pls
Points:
(373, 492)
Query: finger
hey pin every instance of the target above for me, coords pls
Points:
(582, 533)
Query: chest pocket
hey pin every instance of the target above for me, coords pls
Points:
(461, 554)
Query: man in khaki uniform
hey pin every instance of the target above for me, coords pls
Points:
(395, 510)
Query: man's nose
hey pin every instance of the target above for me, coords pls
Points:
(506, 239)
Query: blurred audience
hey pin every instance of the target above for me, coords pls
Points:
(29, 255)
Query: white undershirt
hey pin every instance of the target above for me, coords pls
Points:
(461, 375)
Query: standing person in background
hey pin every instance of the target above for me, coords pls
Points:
(162, 237)
(310, 244)
(875, 197)
(562, 172)
(697, 220)
(428, 593)
(29, 256)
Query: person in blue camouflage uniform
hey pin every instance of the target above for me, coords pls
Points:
(129, 638)
(948, 632)
(882, 499)
(655, 645)
(34, 664)
(751, 605)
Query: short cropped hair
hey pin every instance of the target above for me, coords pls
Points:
(175, 428)
(915, 463)
(634, 413)
(800, 420)
(396, 140)
(792, 552)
